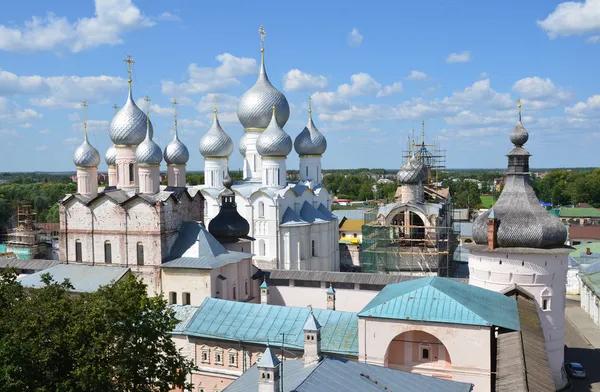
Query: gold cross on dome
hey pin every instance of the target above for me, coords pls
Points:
(84, 105)
(215, 100)
(262, 33)
(129, 61)
(147, 100)
(116, 107)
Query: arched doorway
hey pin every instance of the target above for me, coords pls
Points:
(411, 225)
(419, 352)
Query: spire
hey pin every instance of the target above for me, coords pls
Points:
(116, 107)
(310, 107)
(85, 105)
(423, 132)
(215, 110)
(175, 103)
(274, 111)
(519, 106)
(147, 100)
(129, 61)
(262, 33)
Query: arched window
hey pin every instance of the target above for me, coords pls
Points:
(107, 252)
(262, 249)
(261, 209)
(78, 255)
(131, 172)
(313, 248)
(140, 253)
(546, 299)
(234, 293)
(425, 353)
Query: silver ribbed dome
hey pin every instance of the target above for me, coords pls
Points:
(148, 152)
(412, 172)
(86, 156)
(111, 156)
(243, 146)
(254, 108)
(310, 141)
(521, 220)
(128, 127)
(176, 153)
(273, 141)
(216, 143)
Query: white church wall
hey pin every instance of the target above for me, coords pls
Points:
(196, 282)
(346, 300)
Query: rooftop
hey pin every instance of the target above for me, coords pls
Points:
(262, 324)
(29, 265)
(352, 225)
(588, 232)
(566, 212)
(84, 278)
(443, 300)
(339, 374)
(592, 281)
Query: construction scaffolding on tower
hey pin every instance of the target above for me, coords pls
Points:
(411, 238)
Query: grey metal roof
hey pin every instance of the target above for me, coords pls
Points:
(465, 229)
(84, 278)
(32, 265)
(311, 323)
(556, 250)
(195, 247)
(183, 313)
(350, 214)
(310, 214)
(290, 218)
(326, 213)
(340, 374)
(522, 359)
(343, 277)
(269, 359)
(121, 197)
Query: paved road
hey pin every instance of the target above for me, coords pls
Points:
(579, 350)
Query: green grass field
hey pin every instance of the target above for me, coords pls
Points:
(487, 201)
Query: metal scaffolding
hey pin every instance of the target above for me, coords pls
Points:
(431, 154)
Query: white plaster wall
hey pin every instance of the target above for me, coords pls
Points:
(573, 281)
(534, 273)
(87, 181)
(310, 168)
(215, 170)
(468, 346)
(345, 300)
(176, 175)
(183, 280)
(252, 160)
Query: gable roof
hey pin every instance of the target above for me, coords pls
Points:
(592, 281)
(340, 375)
(443, 300)
(195, 247)
(262, 324)
(325, 212)
(290, 218)
(310, 214)
(566, 212)
(84, 278)
(352, 225)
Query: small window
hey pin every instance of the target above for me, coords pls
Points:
(140, 253)
(78, 256)
(233, 359)
(172, 298)
(246, 287)
(131, 173)
(218, 358)
(425, 353)
(107, 252)
(261, 209)
(545, 304)
(268, 376)
(234, 293)
(355, 235)
(205, 357)
(186, 298)
(314, 248)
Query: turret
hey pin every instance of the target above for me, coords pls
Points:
(312, 340)
(176, 156)
(216, 147)
(331, 297)
(274, 145)
(268, 372)
(264, 292)
(310, 145)
(86, 160)
(148, 156)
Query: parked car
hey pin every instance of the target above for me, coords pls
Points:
(575, 370)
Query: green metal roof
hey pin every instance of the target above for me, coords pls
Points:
(592, 281)
(594, 248)
(566, 212)
(443, 300)
(554, 211)
(262, 324)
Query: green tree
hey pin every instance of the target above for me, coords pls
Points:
(117, 339)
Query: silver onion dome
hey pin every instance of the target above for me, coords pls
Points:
(412, 172)
(273, 141)
(148, 152)
(111, 156)
(254, 108)
(243, 146)
(216, 143)
(128, 127)
(86, 156)
(176, 153)
(310, 141)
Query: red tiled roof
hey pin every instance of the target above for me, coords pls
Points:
(592, 232)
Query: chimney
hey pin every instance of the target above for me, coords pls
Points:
(268, 372)
(264, 292)
(588, 251)
(331, 297)
(312, 340)
(492, 228)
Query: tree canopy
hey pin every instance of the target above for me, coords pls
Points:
(116, 339)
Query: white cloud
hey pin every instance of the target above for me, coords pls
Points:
(61, 91)
(593, 40)
(480, 92)
(225, 103)
(389, 90)
(26, 125)
(93, 126)
(362, 84)
(203, 79)
(11, 133)
(354, 37)
(111, 19)
(41, 148)
(13, 113)
(169, 17)
(462, 57)
(225, 117)
(540, 93)
(328, 100)
(296, 80)
(483, 75)
(572, 18)
(416, 75)
(587, 109)
(155, 109)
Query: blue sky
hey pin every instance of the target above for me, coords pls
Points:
(375, 71)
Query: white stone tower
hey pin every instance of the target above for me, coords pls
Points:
(274, 145)
(310, 145)
(176, 156)
(216, 147)
(86, 160)
(148, 156)
(519, 243)
(312, 340)
(268, 372)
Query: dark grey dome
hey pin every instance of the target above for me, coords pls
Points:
(412, 172)
(228, 223)
(521, 219)
(519, 135)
